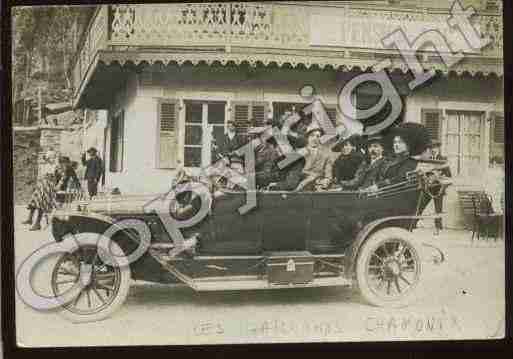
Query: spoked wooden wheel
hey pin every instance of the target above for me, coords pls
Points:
(106, 289)
(388, 268)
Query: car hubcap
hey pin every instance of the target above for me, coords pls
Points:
(99, 291)
(393, 269)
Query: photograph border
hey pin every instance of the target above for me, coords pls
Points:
(12, 350)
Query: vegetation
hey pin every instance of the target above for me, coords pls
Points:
(45, 39)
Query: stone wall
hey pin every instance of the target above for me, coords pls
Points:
(25, 166)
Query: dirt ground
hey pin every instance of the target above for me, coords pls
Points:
(463, 298)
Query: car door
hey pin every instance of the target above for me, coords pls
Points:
(233, 233)
(284, 219)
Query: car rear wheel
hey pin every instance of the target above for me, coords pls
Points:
(108, 284)
(388, 268)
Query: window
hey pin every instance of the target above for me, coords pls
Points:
(249, 114)
(432, 119)
(167, 136)
(117, 139)
(463, 142)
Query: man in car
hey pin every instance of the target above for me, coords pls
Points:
(231, 141)
(370, 171)
(266, 157)
(318, 166)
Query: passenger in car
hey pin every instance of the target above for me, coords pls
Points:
(409, 139)
(266, 157)
(349, 160)
(370, 171)
(318, 167)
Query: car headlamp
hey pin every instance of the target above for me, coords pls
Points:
(82, 206)
(61, 217)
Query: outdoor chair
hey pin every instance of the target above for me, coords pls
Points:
(485, 220)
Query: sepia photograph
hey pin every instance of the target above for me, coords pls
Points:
(258, 172)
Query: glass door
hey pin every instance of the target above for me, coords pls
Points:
(463, 142)
(204, 127)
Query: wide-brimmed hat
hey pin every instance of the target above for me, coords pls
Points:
(92, 150)
(355, 140)
(373, 139)
(415, 135)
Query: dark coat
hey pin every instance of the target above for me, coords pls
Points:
(366, 175)
(266, 167)
(69, 174)
(396, 169)
(94, 168)
(345, 167)
(228, 145)
(291, 175)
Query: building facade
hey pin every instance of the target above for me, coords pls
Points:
(171, 75)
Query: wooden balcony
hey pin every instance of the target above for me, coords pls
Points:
(302, 33)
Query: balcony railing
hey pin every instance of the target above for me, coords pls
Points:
(254, 25)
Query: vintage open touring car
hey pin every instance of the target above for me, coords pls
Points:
(291, 239)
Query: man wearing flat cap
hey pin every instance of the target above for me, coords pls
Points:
(370, 171)
(94, 171)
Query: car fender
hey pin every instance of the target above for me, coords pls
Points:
(64, 222)
(144, 268)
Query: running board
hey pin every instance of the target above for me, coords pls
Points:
(204, 285)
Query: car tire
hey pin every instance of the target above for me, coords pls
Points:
(120, 275)
(388, 268)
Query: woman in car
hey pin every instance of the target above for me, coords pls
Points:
(408, 139)
(346, 165)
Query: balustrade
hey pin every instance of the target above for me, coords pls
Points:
(257, 25)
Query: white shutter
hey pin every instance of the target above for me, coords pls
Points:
(168, 137)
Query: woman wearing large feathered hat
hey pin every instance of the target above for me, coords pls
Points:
(406, 141)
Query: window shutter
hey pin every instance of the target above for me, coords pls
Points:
(168, 138)
(258, 113)
(498, 129)
(432, 119)
(240, 114)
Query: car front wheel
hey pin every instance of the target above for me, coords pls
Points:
(108, 284)
(388, 268)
